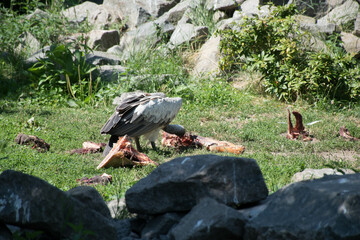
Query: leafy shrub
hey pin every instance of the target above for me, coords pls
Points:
(63, 74)
(47, 29)
(275, 47)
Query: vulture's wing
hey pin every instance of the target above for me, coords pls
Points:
(140, 113)
(123, 111)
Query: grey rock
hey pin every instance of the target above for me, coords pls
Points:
(41, 54)
(103, 58)
(138, 39)
(37, 14)
(133, 14)
(357, 26)
(230, 180)
(351, 42)
(30, 202)
(116, 206)
(210, 220)
(116, 50)
(187, 33)
(309, 173)
(334, 3)
(28, 44)
(90, 197)
(326, 208)
(224, 5)
(328, 28)
(207, 60)
(232, 23)
(157, 8)
(311, 8)
(218, 16)
(176, 13)
(99, 16)
(110, 73)
(160, 225)
(250, 7)
(102, 40)
(342, 14)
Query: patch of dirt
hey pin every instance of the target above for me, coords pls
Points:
(347, 155)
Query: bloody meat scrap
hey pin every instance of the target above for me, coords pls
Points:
(194, 141)
(299, 129)
(124, 154)
(36, 143)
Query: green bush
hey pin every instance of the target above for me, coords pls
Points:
(63, 75)
(274, 46)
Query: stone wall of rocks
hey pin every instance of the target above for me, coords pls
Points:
(133, 25)
(193, 197)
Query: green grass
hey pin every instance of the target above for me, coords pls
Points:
(256, 122)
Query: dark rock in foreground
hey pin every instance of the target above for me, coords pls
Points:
(179, 184)
(30, 202)
(210, 220)
(326, 208)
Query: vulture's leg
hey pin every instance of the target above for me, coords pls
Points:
(153, 145)
(137, 141)
(113, 139)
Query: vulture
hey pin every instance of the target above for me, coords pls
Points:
(140, 113)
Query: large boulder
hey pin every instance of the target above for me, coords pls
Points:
(157, 8)
(210, 220)
(160, 225)
(341, 14)
(102, 40)
(98, 16)
(179, 184)
(176, 13)
(207, 61)
(30, 202)
(326, 208)
(142, 37)
(133, 14)
(351, 42)
(91, 198)
(187, 33)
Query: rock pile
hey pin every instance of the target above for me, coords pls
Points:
(134, 25)
(194, 197)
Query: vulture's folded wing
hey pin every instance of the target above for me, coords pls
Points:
(138, 115)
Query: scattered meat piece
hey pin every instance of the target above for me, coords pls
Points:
(93, 145)
(344, 132)
(37, 143)
(299, 130)
(185, 141)
(124, 154)
(85, 150)
(89, 147)
(188, 140)
(102, 179)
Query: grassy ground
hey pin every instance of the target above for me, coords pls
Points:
(240, 117)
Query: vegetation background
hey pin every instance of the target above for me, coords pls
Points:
(59, 101)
